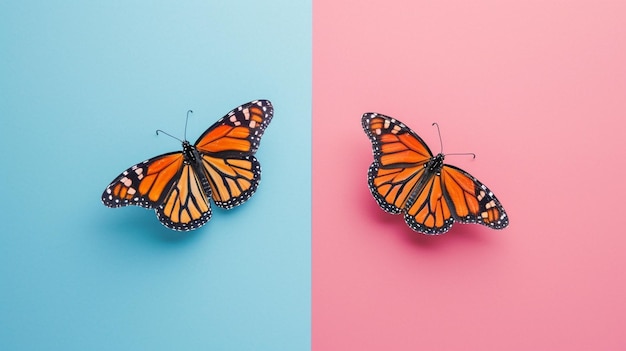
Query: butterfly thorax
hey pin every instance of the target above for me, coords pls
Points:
(435, 164)
(192, 156)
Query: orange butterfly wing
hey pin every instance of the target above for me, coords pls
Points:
(186, 207)
(399, 158)
(405, 177)
(471, 200)
(227, 150)
(167, 184)
(429, 211)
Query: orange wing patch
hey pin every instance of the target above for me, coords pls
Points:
(239, 131)
(186, 207)
(226, 138)
(391, 187)
(232, 181)
(144, 184)
(393, 141)
(461, 192)
(429, 213)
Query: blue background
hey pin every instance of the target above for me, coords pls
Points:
(83, 86)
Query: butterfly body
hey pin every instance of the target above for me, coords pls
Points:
(220, 166)
(190, 154)
(435, 164)
(406, 178)
(431, 168)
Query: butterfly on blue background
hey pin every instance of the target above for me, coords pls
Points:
(220, 166)
(406, 178)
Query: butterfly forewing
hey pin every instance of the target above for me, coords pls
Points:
(393, 142)
(144, 184)
(399, 155)
(239, 132)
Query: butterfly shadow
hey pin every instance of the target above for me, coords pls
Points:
(143, 223)
(468, 233)
(395, 224)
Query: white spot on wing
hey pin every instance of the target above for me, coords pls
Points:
(126, 181)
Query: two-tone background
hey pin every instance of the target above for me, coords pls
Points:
(535, 88)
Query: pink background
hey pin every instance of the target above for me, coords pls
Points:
(537, 89)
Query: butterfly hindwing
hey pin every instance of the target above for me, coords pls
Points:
(186, 206)
(167, 184)
(391, 187)
(428, 211)
(233, 181)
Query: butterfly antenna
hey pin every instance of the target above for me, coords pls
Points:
(168, 134)
(440, 140)
(454, 154)
(463, 154)
(186, 120)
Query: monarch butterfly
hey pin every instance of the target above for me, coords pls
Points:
(406, 178)
(219, 165)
